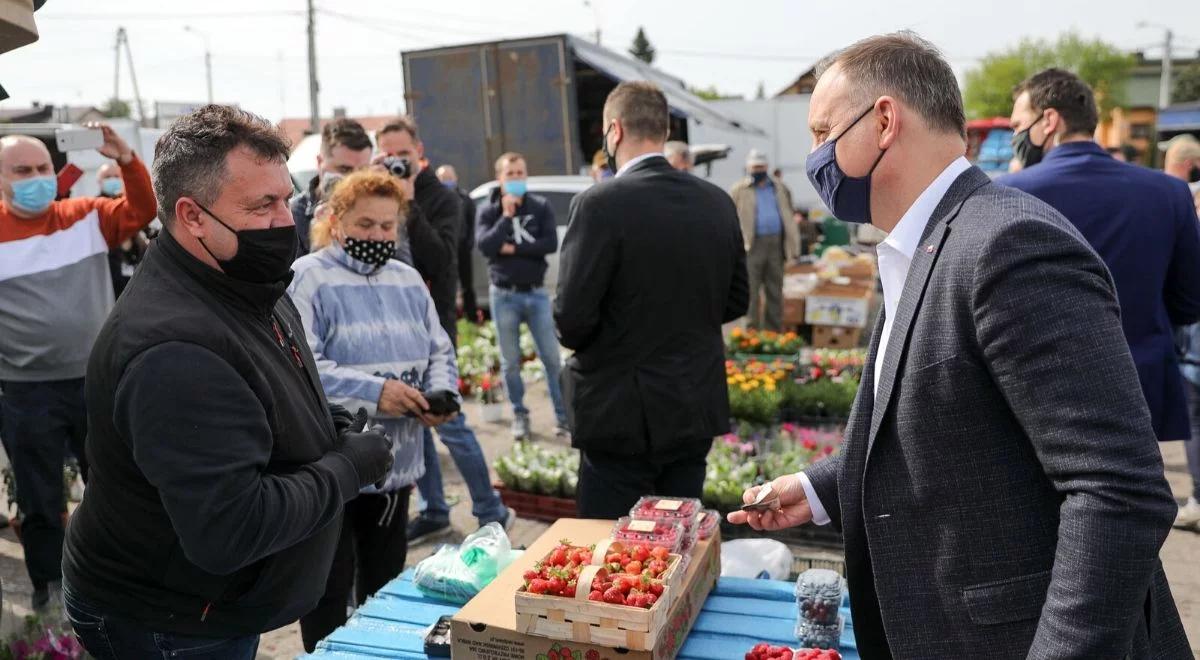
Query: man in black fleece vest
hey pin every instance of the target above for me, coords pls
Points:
(219, 473)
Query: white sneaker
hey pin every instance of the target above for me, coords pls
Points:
(520, 427)
(1189, 515)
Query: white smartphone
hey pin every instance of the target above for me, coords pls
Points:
(78, 139)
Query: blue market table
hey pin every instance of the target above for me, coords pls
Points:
(737, 615)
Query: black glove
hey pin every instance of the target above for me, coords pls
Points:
(370, 452)
(342, 419)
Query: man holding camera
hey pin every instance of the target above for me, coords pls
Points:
(432, 228)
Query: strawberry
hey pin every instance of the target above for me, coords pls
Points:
(640, 553)
(651, 599)
(612, 558)
(558, 557)
(538, 586)
(657, 567)
(656, 588)
(576, 557)
(614, 596)
(660, 553)
(633, 567)
(532, 575)
(557, 585)
(596, 595)
(565, 653)
(625, 585)
(593, 655)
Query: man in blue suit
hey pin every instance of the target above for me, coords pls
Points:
(1141, 222)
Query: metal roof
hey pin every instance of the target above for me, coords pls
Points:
(1181, 117)
(682, 102)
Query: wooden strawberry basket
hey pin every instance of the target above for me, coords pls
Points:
(590, 622)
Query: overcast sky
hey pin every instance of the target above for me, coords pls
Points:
(259, 56)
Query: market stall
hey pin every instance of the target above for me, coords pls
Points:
(727, 618)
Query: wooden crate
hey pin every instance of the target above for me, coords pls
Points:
(537, 507)
(588, 622)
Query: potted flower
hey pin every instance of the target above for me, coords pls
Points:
(490, 391)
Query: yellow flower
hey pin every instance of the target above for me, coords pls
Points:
(745, 387)
(770, 387)
(730, 381)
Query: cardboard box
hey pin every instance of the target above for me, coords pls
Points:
(16, 24)
(832, 336)
(793, 311)
(836, 304)
(486, 627)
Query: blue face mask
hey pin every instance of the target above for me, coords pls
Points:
(450, 185)
(515, 187)
(848, 198)
(34, 195)
(111, 187)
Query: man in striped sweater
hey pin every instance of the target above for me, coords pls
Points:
(55, 293)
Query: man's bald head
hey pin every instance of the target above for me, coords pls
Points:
(108, 171)
(446, 173)
(1183, 157)
(23, 147)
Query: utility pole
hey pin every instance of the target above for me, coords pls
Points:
(123, 39)
(207, 58)
(314, 112)
(1164, 83)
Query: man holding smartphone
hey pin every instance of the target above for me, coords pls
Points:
(55, 293)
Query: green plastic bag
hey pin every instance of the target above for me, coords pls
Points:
(457, 573)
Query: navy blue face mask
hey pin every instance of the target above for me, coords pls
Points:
(848, 197)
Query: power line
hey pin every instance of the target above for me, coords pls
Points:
(193, 16)
(380, 22)
(372, 26)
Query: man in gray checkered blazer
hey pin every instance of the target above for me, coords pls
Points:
(1000, 490)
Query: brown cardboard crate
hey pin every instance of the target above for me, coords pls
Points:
(487, 627)
(832, 336)
(793, 311)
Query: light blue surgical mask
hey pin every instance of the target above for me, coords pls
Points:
(35, 194)
(112, 187)
(515, 187)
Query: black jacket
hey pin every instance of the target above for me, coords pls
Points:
(536, 238)
(214, 502)
(652, 264)
(303, 207)
(433, 228)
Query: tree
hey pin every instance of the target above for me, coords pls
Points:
(641, 48)
(711, 93)
(1186, 86)
(116, 108)
(988, 89)
(761, 92)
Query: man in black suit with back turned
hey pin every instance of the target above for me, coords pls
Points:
(652, 264)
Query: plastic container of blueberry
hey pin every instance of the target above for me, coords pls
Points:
(654, 533)
(673, 509)
(820, 635)
(819, 595)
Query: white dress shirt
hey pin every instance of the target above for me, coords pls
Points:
(895, 256)
(637, 159)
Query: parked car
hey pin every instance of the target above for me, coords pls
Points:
(558, 191)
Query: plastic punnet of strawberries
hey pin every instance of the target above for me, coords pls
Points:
(764, 651)
(558, 573)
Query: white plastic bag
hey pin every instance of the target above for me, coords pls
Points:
(750, 558)
(458, 573)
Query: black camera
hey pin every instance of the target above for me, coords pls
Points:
(400, 168)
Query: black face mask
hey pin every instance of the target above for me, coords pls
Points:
(263, 256)
(758, 177)
(1194, 175)
(610, 157)
(1026, 152)
(375, 253)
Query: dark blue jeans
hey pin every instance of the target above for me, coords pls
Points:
(41, 421)
(510, 309)
(111, 638)
(1193, 445)
(472, 464)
